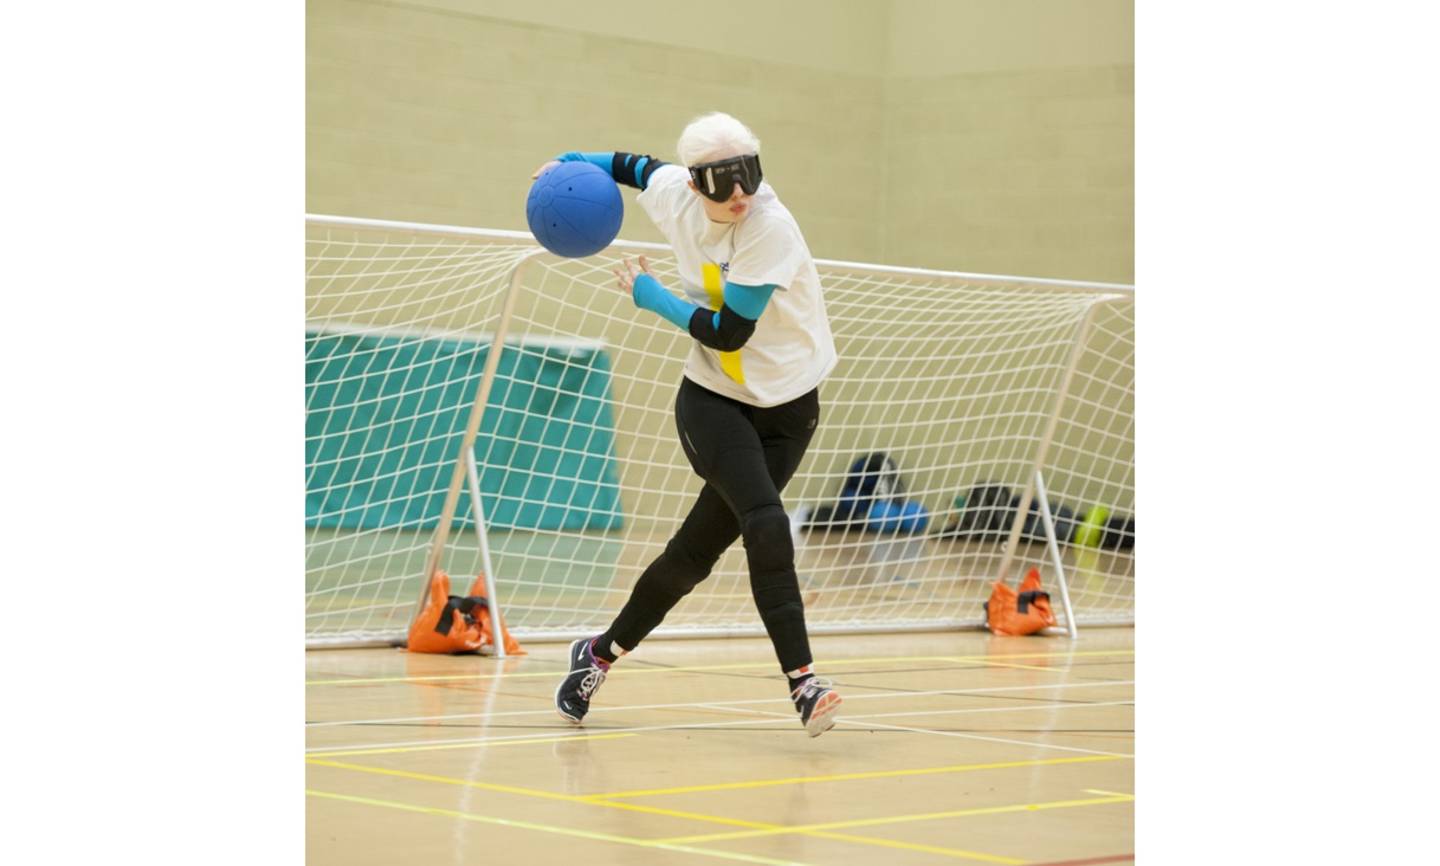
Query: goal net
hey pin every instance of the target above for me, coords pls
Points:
(974, 387)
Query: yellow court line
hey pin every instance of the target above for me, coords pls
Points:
(548, 795)
(842, 777)
(618, 670)
(545, 828)
(427, 777)
(464, 744)
(898, 819)
(669, 813)
(916, 846)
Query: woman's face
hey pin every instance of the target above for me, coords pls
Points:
(732, 210)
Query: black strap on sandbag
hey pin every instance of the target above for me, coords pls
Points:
(447, 617)
(466, 605)
(1025, 599)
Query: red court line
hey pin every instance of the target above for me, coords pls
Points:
(1113, 858)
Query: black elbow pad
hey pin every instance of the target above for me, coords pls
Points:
(734, 332)
(622, 168)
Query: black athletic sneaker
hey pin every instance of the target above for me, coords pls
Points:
(587, 672)
(817, 705)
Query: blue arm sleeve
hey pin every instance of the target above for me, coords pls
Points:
(748, 301)
(603, 160)
(725, 330)
(626, 168)
(650, 295)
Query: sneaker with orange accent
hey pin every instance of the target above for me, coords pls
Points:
(816, 704)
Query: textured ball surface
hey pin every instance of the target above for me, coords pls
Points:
(574, 209)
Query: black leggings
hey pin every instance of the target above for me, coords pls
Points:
(746, 456)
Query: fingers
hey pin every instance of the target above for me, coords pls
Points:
(626, 278)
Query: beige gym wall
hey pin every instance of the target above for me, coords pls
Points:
(1011, 129)
(422, 112)
(976, 135)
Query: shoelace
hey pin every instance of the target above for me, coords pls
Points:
(810, 687)
(594, 674)
(593, 678)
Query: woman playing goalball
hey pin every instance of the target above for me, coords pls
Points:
(748, 404)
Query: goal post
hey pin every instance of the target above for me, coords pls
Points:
(970, 383)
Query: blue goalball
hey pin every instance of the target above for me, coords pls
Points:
(574, 209)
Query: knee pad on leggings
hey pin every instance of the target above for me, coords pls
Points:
(772, 577)
(768, 545)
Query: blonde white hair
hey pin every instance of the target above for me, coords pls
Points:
(714, 136)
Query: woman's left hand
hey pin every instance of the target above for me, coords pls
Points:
(626, 278)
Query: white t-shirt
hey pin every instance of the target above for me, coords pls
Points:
(792, 349)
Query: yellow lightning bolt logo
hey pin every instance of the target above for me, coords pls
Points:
(715, 289)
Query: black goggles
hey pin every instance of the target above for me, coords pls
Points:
(716, 180)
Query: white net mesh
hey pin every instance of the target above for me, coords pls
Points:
(956, 378)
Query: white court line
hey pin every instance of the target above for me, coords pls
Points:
(1129, 703)
(768, 718)
(848, 698)
(1032, 745)
(480, 741)
(862, 722)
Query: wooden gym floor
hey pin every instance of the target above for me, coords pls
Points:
(956, 747)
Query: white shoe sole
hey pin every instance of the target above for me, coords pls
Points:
(822, 718)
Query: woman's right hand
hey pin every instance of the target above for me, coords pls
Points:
(544, 168)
